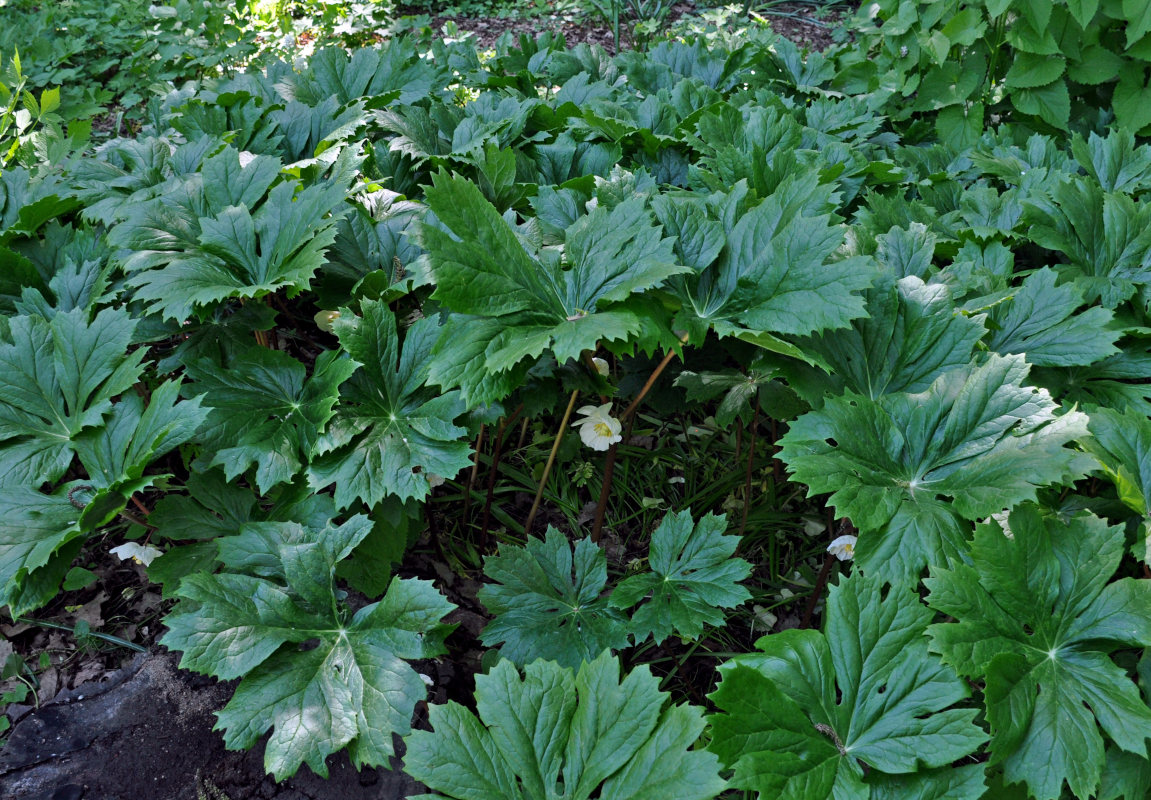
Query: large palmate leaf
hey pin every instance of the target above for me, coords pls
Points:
(57, 378)
(391, 430)
(764, 270)
(116, 454)
(1041, 322)
(266, 411)
(232, 230)
(213, 508)
(42, 533)
(754, 145)
(1105, 237)
(546, 602)
(908, 469)
(1122, 443)
(692, 577)
(394, 71)
(555, 735)
(545, 301)
(352, 689)
(804, 717)
(1118, 382)
(35, 529)
(1036, 620)
(1114, 160)
(912, 335)
(370, 251)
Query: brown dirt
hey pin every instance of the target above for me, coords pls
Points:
(145, 733)
(803, 24)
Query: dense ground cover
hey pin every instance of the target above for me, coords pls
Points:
(521, 392)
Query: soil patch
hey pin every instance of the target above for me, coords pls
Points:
(145, 733)
(807, 26)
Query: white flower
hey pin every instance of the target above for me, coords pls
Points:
(601, 366)
(598, 429)
(435, 480)
(843, 548)
(140, 553)
(325, 318)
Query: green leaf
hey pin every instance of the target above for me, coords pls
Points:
(1050, 102)
(1126, 776)
(1122, 443)
(978, 436)
(390, 430)
(1083, 10)
(215, 508)
(394, 70)
(1040, 322)
(352, 689)
(58, 378)
(1096, 64)
(693, 575)
(1132, 96)
(33, 526)
(1138, 16)
(800, 719)
(1115, 160)
(1117, 382)
(265, 410)
(776, 272)
(740, 391)
(1105, 236)
(546, 602)
(553, 735)
(116, 455)
(911, 336)
(1036, 619)
(1029, 70)
(481, 267)
(945, 783)
(229, 231)
(459, 361)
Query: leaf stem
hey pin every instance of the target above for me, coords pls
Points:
(609, 460)
(493, 472)
(472, 475)
(107, 637)
(551, 460)
(750, 461)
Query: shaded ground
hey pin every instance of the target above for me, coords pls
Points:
(803, 24)
(145, 733)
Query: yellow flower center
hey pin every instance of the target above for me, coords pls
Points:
(602, 429)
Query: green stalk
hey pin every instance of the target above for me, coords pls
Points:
(551, 460)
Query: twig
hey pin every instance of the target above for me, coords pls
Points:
(817, 592)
